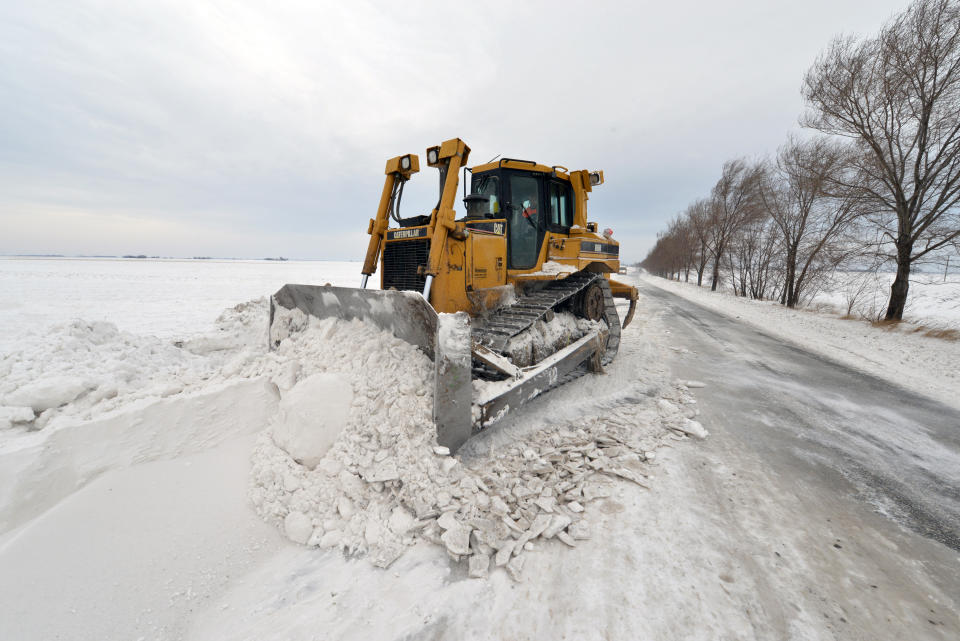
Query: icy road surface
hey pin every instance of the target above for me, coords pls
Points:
(901, 451)
(851, 483)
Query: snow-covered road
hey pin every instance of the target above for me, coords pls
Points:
(900, 450)
(829, 490)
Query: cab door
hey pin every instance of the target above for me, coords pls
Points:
(526, 220)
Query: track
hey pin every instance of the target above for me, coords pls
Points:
(508, 322)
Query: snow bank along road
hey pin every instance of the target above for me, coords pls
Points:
(840, 488)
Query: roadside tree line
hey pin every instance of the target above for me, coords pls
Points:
(875, 183)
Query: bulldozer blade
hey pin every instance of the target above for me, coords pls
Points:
(409, 317)
(406, 315)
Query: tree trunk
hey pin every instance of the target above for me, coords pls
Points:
(791, 292)
(901, 284)
(716, 272)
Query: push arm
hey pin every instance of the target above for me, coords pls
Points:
(399, 168)
(449, 156)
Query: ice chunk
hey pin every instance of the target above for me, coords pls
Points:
(447, 520)
(580, 531)
(457, 540)
(331, 539)
(666, 406)
(298, 527)
(515, 568)
(541, 523)
(311, 416)
(52, 391)
(10, 416)
(384, 471)
(345, 507)
(693, 428)
(479, 566)
(566, 538)
(401, 520)
(546, 503)
(558, 523)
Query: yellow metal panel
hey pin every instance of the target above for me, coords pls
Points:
(488, 258)
(513, 164)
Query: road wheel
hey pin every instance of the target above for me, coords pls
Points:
(590, 304)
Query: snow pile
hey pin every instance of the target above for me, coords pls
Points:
(384, 483)
(363, 493)
(84, 368)
(553, 268)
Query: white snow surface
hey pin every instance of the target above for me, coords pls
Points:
(904, 354)
(933, 301)
(165, 298)
(156, 503)
(127, 457)
(553, 268)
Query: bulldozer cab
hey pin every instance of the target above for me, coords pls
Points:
(531, 204)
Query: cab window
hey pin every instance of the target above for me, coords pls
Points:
(488, 186)
(561, 205)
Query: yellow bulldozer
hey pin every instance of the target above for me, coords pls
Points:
(517, 293)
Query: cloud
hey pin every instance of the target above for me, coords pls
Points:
(262, 125)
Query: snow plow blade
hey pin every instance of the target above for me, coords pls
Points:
(446, 339)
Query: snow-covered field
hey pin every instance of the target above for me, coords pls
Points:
(903, 354)
(933, 302)
(169, 298)
(166, 477)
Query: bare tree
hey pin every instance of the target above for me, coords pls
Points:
(810, 210)
(733, 202)
(897, 96)
(751, 258)
(699, 216)
(681, 233)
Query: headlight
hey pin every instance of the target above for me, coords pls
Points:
(405, 162)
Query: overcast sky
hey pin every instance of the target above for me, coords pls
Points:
(252, 129)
